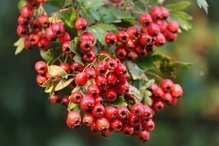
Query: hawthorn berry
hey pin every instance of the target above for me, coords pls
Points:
(110, 112)
(81, 24)
(73, 119)
(81, 79)
(76, 97)
(87, 103)
(102, 124)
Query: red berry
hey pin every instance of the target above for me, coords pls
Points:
(26, 12)
(156, 13)
(173, 26)
(123, 113)
(149, 125)
(158, 94)
(87, 103)
(86, 45)
(121, 53)
(111, 95)
(159, 40)
(35, 26)
(123, 87)
(40, 79)
(65, 101)
(41, 67)
(112, 79)
(77, 67)
(50, 34)
(129, 45)
(167, 98)
(144, 135)
(116, 125)
(137, 109)
(55, 98)
(163, 25)
(166, 84)
(145, 39)
(145, 19)
(170, 36)
(22, 21)
(106, 133)
(44, 43)
(148, 113)
(110, 112)
(98, 100)
(128, 129)
(115, 1)
(93, 90)
(43, 20)
(87, 36)
(101, 68)
(81, 24)
(158, 106)
(58, 29)
(133, 32)
(134, 120)
(132, 56)
(88, 119)
(153, 88)
(66, 67)
(111, 38)
(76, 97)
(73, 119)
(164, 13)
(89, 56)
(101, 81)
(122, 36)
(120, 69)
(91, 73)
(98, 110)
(65, 38)
(81, 79)
(102, 124)
(34, 39)
(111, 64)
(153, 29)
(22, 30)
(176, 90)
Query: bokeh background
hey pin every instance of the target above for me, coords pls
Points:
(28, 119)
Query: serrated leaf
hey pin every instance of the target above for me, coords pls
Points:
(63, 83)
(178, 6)
(100, 30)
(136, 72)
(56, 71)
(120, 101)
(203, 4)
(183, 19)
(19, 44)
(135, 93)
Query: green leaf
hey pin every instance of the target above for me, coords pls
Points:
(69, 17)
(203, 4)
(93, 4)
(68, 3)
(56, 71)
(136, 72)
(19, 44)
(135, 93)
(74, 48)
(56, 3)
(63, 83)
(120, 101)
(46, 55)
(180, 65)
(71, 106)
(147, 100)
(178, 6)
(100, 30)
(21, 4)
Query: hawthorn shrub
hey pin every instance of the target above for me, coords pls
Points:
(100, 60)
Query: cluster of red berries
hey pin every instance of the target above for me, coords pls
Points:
(167, 93)
(99, 84)
(136, 42)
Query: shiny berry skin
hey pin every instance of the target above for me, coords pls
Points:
(77, 67)
(156, 13)
(87, 103)
(134, 120)
(22, 21)
(170, 36)
(132, 56)
(93, 128)
(73, 119)
(173, 26)
(65, 38)
(22, 30)
(159, 40)
(65, 101)
(162, 24)
(111, 64)
(35, 26)
(120, 69)
(50, 34)
(116, 125)
(81, 24)
(55, 98)
(87, 36)
(41, 67)
(86, 45)
(158, 94)
(26, 12)
(76, 97)
(176, 91)
(43, 20)
(34, 39)
(66, 67)
(123, 87)
(153, 29)
(102, 123)
(166, 84)
(122, 36)
(153, 88)
(93, 90)
(133, 32)
(58, 29)
(145, 19)
(121, 53)
(101, 81)
(122, 113)
(148, 113)
(149, 125)
(137, 109)
(111, 39)
(128, 129)
(158, 106)
(110, 112)
(44, 43)
(111, 95)
(144, 135)
(164, 13)
(40, 79)
(88, 119)
(129, 45)
(91, 73)
(167, 98)
(98, 110)
(98, 100)
(101, 68)
(89, 56)
(145, 39)
(81, 79)
(111, 79)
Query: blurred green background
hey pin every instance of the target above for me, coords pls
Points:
(28, 119)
